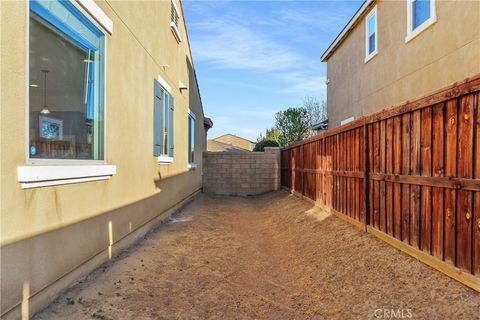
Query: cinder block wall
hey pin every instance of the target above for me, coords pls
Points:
(241, 174)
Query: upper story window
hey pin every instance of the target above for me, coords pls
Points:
(420, 15)
(163, 109)
(66, 83)
(371, 35)
(191, 137)
(174, 20)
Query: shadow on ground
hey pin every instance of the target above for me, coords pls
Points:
(267, 257)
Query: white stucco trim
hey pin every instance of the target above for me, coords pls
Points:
(98, 14)
(413, 33)
(164, 159)
(41, 176)
(164, 84)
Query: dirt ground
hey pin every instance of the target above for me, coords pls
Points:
(268, 257)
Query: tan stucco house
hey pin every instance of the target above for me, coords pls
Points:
(102, 134)
(394, 51)
(223, 141)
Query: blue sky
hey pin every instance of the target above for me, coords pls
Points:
(254, 58)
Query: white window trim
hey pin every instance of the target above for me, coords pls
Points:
(369, 56)
(42, 176)
(191, 165)
(174, 2)
(345, 121)
(165, 84)
(50, 172)
(174, 27)
(97, 13)
(413, 33)
(164, 159)
(176, 32)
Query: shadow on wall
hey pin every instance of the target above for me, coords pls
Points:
(35, 269)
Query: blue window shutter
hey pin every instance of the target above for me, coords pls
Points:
(157, 120)
(171, 127)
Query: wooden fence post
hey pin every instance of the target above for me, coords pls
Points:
(366, 181)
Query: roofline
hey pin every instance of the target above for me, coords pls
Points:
(231, 134)
(227, 145)
(191, 57)
(343, 34)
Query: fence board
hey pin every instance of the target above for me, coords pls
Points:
(450, 171)
(426, 211)
(438, 145)
(382, 155)
(476, 209)
(415, 189)
(389, 185)
(397, 193)
(376, 169)
(464, 169)
(406, 171)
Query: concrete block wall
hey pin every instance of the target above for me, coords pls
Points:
(241, 174)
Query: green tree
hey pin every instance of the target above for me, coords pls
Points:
(260, 146)
(293, 125)
(272, 134)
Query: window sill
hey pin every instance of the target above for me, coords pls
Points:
(192, 166)
(424, 26)
(371, 56)
(176, 32)
(52, 175)
(164, 159)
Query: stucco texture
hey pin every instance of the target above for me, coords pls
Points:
(47, 233)
(444, 53)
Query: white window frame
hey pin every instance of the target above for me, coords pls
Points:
(413, 33)
(347, 120)
(174, 27)
(368, 55)
(165, 159)
(191, 165)
(51, 172)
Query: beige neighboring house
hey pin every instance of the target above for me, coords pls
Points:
(102, 136)
(216, 146)
(394, 51)
(231, 141)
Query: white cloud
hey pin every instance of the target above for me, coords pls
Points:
(231, 45)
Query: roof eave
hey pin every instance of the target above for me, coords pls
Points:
(344, 33)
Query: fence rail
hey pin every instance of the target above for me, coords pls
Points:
(410, 173)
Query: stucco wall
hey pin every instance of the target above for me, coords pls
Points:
(448, 51)
(50, 234)
(241, 174)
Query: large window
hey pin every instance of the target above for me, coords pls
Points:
(191, 138)
(371, 35)
(420, 15)
(163, 123)
(66, 83)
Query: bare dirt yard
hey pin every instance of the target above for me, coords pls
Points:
(268, 257)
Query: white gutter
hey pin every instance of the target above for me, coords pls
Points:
(345, 30)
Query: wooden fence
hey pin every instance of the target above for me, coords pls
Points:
(409, 175)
